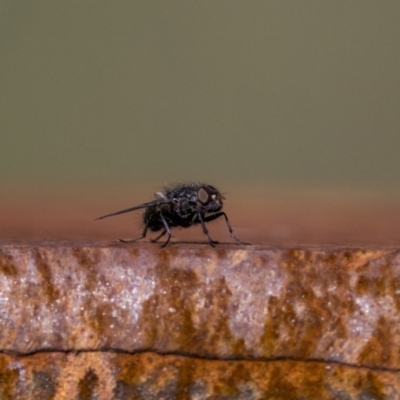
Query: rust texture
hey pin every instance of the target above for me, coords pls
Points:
(261, 318)
(104, 376)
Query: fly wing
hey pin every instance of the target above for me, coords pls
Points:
(144, 205)
(160, 196)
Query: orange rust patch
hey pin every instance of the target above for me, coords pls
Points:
(173, 289)
(8, 380)
(47, 280)
(279, 387)
(379, 348)
(394, 285)
(270, 334)
(87, 385)
(184, 380)
(98, 316)
(7, 266)
(372, 388)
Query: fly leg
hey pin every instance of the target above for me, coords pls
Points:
(220, 214)
(167, 230)
(203, 225)
(159, 236)
(138, 238)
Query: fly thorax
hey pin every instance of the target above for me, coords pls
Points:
(185, 207)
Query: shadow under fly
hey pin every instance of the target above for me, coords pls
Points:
(180, 206)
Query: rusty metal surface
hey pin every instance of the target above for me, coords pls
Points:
(104, 376)
(275, 310)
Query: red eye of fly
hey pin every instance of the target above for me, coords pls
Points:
(204, 195)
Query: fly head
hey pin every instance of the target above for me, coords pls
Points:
(209, 199)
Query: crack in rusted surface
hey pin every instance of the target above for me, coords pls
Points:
(204, 358)
(146, 375)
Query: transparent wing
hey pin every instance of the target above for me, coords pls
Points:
(160, 196)
(144, 205)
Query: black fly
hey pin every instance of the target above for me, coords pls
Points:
(184, 205)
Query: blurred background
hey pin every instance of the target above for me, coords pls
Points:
(290, 108)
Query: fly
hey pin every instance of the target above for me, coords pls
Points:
(181, 206)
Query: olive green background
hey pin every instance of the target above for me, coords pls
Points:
(270, 93)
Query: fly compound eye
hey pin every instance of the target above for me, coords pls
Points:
(204, 195)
